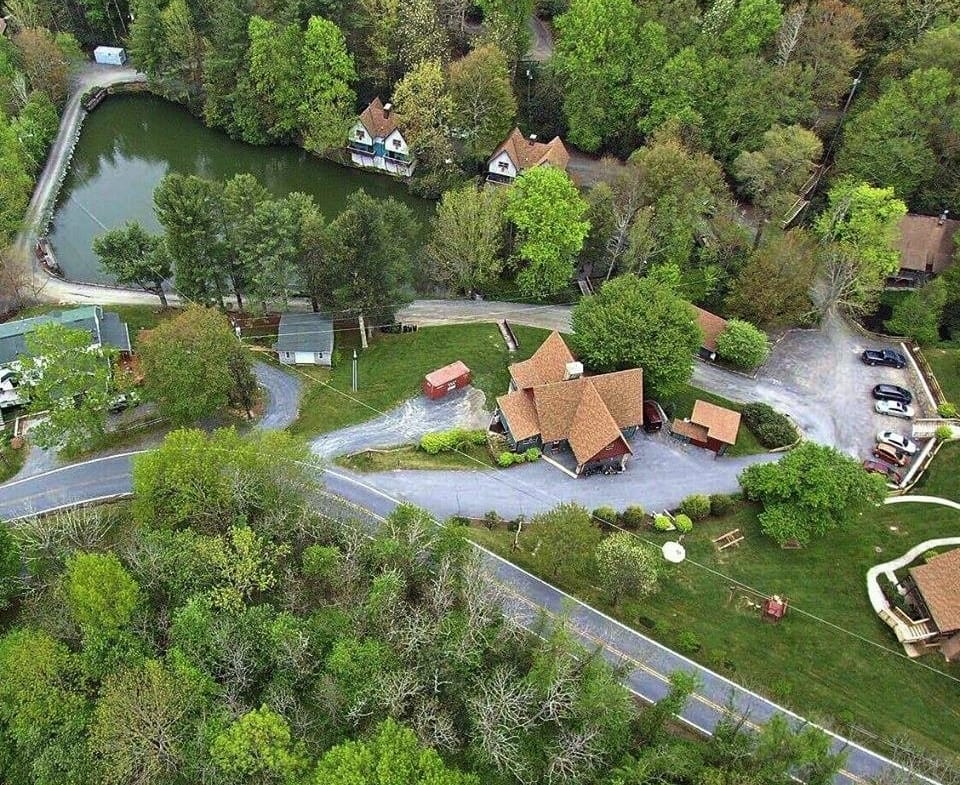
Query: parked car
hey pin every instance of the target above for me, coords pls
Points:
(890, 454)
(898, 440)
(887, 357)
(652, 421)
(892, 392)
(879, 467)
(894, 409)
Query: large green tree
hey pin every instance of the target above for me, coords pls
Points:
(194, 366)
(638, 322)
(627, 567)
(133, 256)
(328, 72)
(547, 211)
(466, 245)
(811, 491)
(484, 105)
(259, 747)
(564, 538)
(69, 381)
(100, 592)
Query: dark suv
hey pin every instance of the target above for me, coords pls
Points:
(891, 392)
(884, 357)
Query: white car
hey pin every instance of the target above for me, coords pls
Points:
(894, 409)
(901, 442)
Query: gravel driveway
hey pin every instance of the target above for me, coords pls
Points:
(406, 423)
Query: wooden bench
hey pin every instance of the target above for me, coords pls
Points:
(726, 540)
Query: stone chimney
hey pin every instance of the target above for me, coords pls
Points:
(533, 138)
(386, 110)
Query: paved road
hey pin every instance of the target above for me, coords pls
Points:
(541, 40)
(283, 396)
(524, 599)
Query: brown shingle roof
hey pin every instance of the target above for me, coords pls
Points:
(377, 121)
(593, 427)
(939, 582)
(548, 364)
(721, 424)
(690, 429)
(520, 413)
(447, 374)
(924, 240)
(526, 154)
(711, 325)
(622, 392)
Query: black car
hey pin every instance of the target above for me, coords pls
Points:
(884, 357)
(891, 392)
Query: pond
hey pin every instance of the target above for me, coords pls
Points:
(130, 142)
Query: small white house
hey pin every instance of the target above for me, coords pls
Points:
(110, 55)
(518, 153)
(376, 142)
(305, 339)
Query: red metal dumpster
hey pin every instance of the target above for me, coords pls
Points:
(451, 377)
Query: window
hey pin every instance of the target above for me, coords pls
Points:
(503, 166)
(396, 143)
(359, 133)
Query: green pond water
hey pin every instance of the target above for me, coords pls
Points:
(130, 142)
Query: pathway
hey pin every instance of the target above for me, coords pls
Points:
(541, 40)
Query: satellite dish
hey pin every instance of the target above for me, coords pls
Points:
(673, 552)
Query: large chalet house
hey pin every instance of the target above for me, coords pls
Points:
(518, 153)
(376, 142)
(551, 404)
(926, 247)
(934, 590)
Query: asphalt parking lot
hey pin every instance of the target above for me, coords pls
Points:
(831, 387)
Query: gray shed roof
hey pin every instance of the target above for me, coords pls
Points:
(305, 332)
(105, 328)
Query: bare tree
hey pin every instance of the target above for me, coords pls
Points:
(574, 755)
(502, 715)
(789, 33)
(842, 283)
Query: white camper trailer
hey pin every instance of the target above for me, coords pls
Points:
(110, 55)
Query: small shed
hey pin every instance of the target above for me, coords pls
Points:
(304, 339)
(710, 426)
(444, 380)
(110, 55)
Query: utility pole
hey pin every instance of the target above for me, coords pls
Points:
(354, 386)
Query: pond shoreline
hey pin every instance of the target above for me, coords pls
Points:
(113, 162)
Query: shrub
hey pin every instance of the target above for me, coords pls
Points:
(943, 433)
(721, 504)
(662, 523)
(453, 439)
(696, 506)
(683, 523)
(931, 554)
(742, 344)
(492, 519)
(771, 428)
(531, 454)
(606, 515)
(632, 517)
(947, 409)
(688, 642)
(505, 459)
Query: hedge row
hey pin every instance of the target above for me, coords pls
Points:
(771, 428)
(505, 459)
(454, 439)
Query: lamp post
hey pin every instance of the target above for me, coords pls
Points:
(355, 382)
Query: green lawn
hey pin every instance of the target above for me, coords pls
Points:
(409, 457)
(946, 367)
(10, 460)
(392, 369)
(854, 679)
(681, 405)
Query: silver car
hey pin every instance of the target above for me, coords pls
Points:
(894, 409)
(898, 440)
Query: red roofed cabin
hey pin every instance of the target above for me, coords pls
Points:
(438, 383)
(710, 426)
(518, 153)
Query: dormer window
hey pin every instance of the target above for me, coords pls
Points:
(396, 143)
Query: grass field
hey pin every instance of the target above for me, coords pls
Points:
(409, 457)
(831, 659)
(946, 367)
(10, 460)
(682, 406)
(392, 369)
